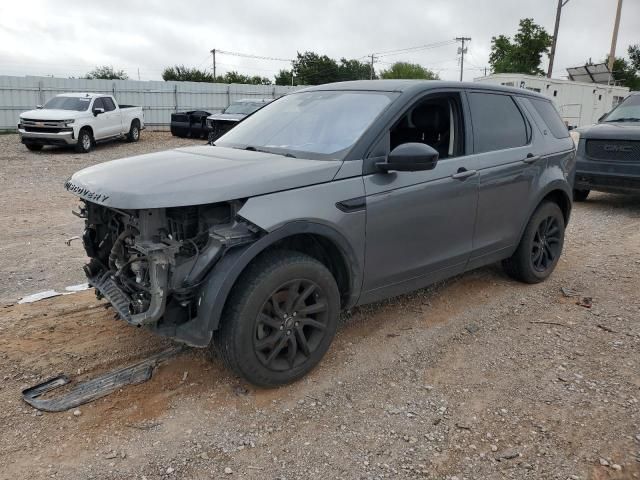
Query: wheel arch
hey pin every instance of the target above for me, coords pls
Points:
(557, 192)
(320, 241)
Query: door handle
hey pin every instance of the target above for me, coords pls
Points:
(463, 173)
(531, 158)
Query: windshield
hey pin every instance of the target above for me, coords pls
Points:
(627, 111)
(244, 108)
(316, 125)
(79, 104)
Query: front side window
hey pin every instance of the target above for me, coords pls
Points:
(497, 122)
(78, 104)
(627, 111)
(315, 125)
(98, 103)
(435, 121)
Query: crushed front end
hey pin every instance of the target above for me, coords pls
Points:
(149, 263)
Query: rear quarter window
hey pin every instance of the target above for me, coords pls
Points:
(497, 121)
(551, 117)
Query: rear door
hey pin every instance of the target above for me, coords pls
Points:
(509, 167)
(112, 118)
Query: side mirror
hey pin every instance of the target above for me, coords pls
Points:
(97, 111)
(38, 107)
(410, 157)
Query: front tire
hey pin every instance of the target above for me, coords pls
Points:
(34, 147)
(279, 319)
(540, 247)
(85, 141)
(580, 195)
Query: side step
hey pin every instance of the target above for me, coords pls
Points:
(95, 388)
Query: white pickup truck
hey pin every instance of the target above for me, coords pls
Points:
(80, 119)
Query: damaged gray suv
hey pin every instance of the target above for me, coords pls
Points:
(330, 197)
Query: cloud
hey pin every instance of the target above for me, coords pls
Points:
(69, 38)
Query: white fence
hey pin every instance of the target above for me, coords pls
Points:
(157, 98)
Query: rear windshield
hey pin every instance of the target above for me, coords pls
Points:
(551, 117)
(79, 104)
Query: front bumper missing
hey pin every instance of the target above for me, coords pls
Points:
(106, 284)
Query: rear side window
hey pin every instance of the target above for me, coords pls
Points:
(108, 104)
(551, 117)
(497, 122)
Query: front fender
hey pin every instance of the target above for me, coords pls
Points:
(215, 290)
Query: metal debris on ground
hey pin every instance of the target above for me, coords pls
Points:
(586, 302)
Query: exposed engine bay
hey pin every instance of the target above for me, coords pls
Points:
(149, 263)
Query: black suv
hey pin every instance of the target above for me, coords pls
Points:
(609, 152)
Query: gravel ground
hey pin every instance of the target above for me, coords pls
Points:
(479, 377)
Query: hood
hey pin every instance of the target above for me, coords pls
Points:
(195, 176)
(228, 117)
(47, 114)
(612, 131)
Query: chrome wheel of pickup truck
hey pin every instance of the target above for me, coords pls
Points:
(85, 141)
(134, 132)
(280, 319)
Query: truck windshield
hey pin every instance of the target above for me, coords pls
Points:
(315, 125)
(244, 108)
(79, 104)
(627, 111)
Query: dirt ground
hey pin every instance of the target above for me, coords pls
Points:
(479, 377)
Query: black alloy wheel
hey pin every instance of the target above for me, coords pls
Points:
(291, 325)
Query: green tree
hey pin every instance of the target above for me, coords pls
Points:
(354, 70)
(284, 77)
(310, 68)
(634, 56)
(625, 72)
(106, 72)
(524, 53)
(235, 77)
(406, 70)
(180, 73)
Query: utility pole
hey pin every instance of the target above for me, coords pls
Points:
(213, 53)
(373, 59)
(462, 51)
(552, 55)
(614, 39)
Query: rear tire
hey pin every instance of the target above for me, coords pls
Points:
(280, 319)
(85, 141)
(134, 132)
(34, 147)
(580, 195)
(540, 246)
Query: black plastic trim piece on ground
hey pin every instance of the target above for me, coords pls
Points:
(95, 388)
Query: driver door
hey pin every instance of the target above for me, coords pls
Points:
(420, 224)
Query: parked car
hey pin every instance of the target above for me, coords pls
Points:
(80, 119)
(190, 124)
(330, 197)
(220, 123)
(608, 153)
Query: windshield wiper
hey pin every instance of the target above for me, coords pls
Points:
(251, 148)
(624, 119)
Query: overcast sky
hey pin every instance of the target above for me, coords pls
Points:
(68, 38)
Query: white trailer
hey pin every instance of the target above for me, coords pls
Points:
(579, 103)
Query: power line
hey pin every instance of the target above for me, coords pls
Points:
(249, 55)
(416, 48)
